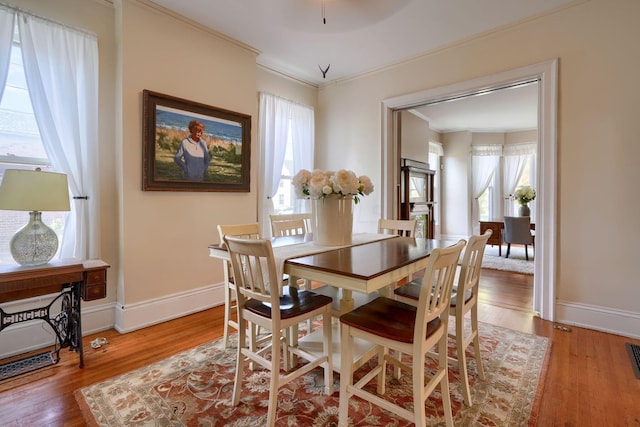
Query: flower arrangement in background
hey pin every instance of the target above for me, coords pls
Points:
(524, 194)
(319, 184)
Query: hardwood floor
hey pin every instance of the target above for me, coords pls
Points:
(589, 381)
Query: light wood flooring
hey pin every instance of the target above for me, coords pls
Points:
(589, 380)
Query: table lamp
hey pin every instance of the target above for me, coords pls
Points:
(34, 191)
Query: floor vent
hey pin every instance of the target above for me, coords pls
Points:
(634, 354)
(28, 364)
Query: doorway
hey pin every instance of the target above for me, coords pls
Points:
(546, 73)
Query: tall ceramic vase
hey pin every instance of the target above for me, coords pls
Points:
(524, 210)
(332, 220)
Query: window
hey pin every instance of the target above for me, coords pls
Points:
(285, 132)
(526, 178)
(20, 148)
(55, 60)
(485, 205)
(285, 196)
(519, 168)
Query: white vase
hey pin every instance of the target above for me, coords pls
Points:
(332, 220)
(524, 210)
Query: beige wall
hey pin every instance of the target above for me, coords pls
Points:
(414, 137)
(596, 43)
(165, 234)
(277, 84)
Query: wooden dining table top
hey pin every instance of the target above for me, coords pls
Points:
(363, 267)
(373, 259)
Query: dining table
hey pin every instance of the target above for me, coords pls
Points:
(372, 262)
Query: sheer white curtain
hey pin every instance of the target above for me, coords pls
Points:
(6, 36)
(516, 157)
(61, 68)
(484, 164)
(281, 121)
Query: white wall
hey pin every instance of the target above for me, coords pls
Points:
(456, 178)
(595, 42)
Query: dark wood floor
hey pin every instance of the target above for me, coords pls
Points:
(589, 381)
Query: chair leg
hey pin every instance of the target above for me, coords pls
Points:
(526, 253)
(462, 362)
(237, 385)
(276, 352)
(383, 352)
(227, 315)
(476, 341)
(346, 375)
(328, 345)
(444, 382)
(226, 327)
(508, 250)
(419, 416)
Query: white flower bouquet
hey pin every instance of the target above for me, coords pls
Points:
(524, 194)
(319, 184)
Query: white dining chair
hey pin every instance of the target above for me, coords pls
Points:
(403, 328)
(252, 231)
(464, 299)
(263, 301)
(401, 227)
(281, 222)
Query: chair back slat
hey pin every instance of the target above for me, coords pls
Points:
(277, 218)
(401, 227)
(471, 266)
(249, 231)
(254, 269)
(434, 300)
(288, 227)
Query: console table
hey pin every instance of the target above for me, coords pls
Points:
(496, 237)
(67, 281)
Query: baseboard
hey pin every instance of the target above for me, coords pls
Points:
(29, 336)
(604, 319)
(147, 313)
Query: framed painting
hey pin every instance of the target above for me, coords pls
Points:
(188, 146)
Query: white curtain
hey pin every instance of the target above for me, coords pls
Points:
(7, 17)
(516, 157)
(435, 148)
(484, 164)
(280, 121)
(61, 68)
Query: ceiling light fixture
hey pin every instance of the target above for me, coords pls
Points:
(324, 72)
(324, 19)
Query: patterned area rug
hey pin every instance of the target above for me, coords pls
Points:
(516, 261)
(193, 388)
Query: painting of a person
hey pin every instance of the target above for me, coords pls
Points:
(192, 155)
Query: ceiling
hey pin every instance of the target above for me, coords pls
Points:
(359, 36)
(505, 110)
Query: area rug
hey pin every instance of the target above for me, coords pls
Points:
(194, 388)
(516, 261)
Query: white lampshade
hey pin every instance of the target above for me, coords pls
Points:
(34, 191)
(27, 190)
